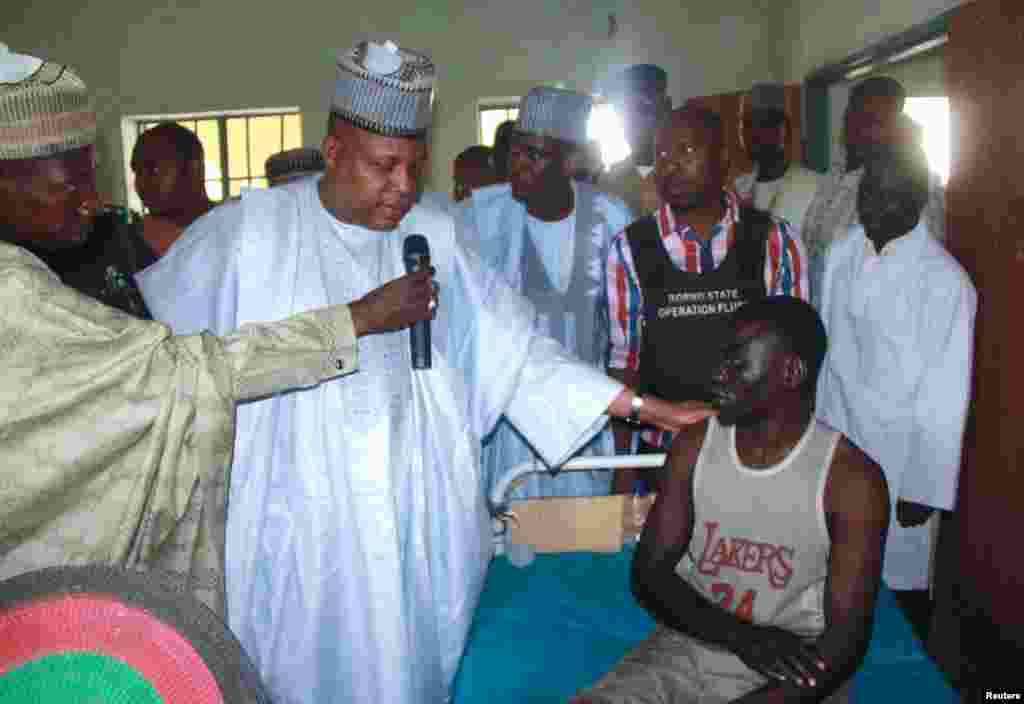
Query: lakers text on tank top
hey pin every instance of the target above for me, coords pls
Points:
(760, 542)
(686, 314)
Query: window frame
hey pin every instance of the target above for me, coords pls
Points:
(817, 118)
(131, 128)
(505, 103)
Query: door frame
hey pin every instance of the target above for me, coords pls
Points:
(817, 112)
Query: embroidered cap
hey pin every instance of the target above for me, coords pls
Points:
(44, 108)
(385, 89)
(554, 112)
(294, 163)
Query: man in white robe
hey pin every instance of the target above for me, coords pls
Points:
(900, 313)
(549, 236)
(115, 435)
(776, 185)
(358, 536)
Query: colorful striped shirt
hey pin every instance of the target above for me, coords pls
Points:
(785, 274)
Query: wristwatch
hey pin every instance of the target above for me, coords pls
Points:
(635, 406)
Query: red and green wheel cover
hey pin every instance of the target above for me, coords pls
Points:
(99, 634)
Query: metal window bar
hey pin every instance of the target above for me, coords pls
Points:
(226, 177)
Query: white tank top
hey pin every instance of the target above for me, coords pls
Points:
(760, 543)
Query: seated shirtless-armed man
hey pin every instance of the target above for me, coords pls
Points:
(761, 558)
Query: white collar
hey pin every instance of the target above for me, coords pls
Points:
(896, 246)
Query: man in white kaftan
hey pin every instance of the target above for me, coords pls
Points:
(776, 185)
(899, 311)
(549, 236)
(358, 536)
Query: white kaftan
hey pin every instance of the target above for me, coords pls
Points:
(787, 197)
(897, 377)
(358, 535)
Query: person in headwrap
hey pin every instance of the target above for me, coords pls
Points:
(358, 532)
(116, 436)
(292, 164)
(640, 95)
(777, 185)
(549, 235)
(47, 158)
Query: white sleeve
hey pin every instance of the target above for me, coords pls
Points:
(940, 408)
(194, 286)
(560, 403)
(557, 401)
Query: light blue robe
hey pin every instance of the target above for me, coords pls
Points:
(578, 318)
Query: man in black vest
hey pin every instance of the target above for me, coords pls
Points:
(675, 276)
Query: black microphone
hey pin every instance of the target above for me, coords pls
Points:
(416, 253)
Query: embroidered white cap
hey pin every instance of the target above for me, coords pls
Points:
(44, 108)
(556, 113)
(385, 89)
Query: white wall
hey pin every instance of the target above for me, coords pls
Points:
(820, 32)
(157, 56)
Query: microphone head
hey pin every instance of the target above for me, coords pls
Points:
(415, 253)
(415, 246)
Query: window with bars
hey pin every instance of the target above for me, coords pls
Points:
(491, 113)
(235, 145)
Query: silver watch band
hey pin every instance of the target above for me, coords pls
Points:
(635, 406)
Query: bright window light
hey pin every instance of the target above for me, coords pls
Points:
(933, 116)
(605, 127)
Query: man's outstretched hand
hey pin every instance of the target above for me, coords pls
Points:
(674, 415)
